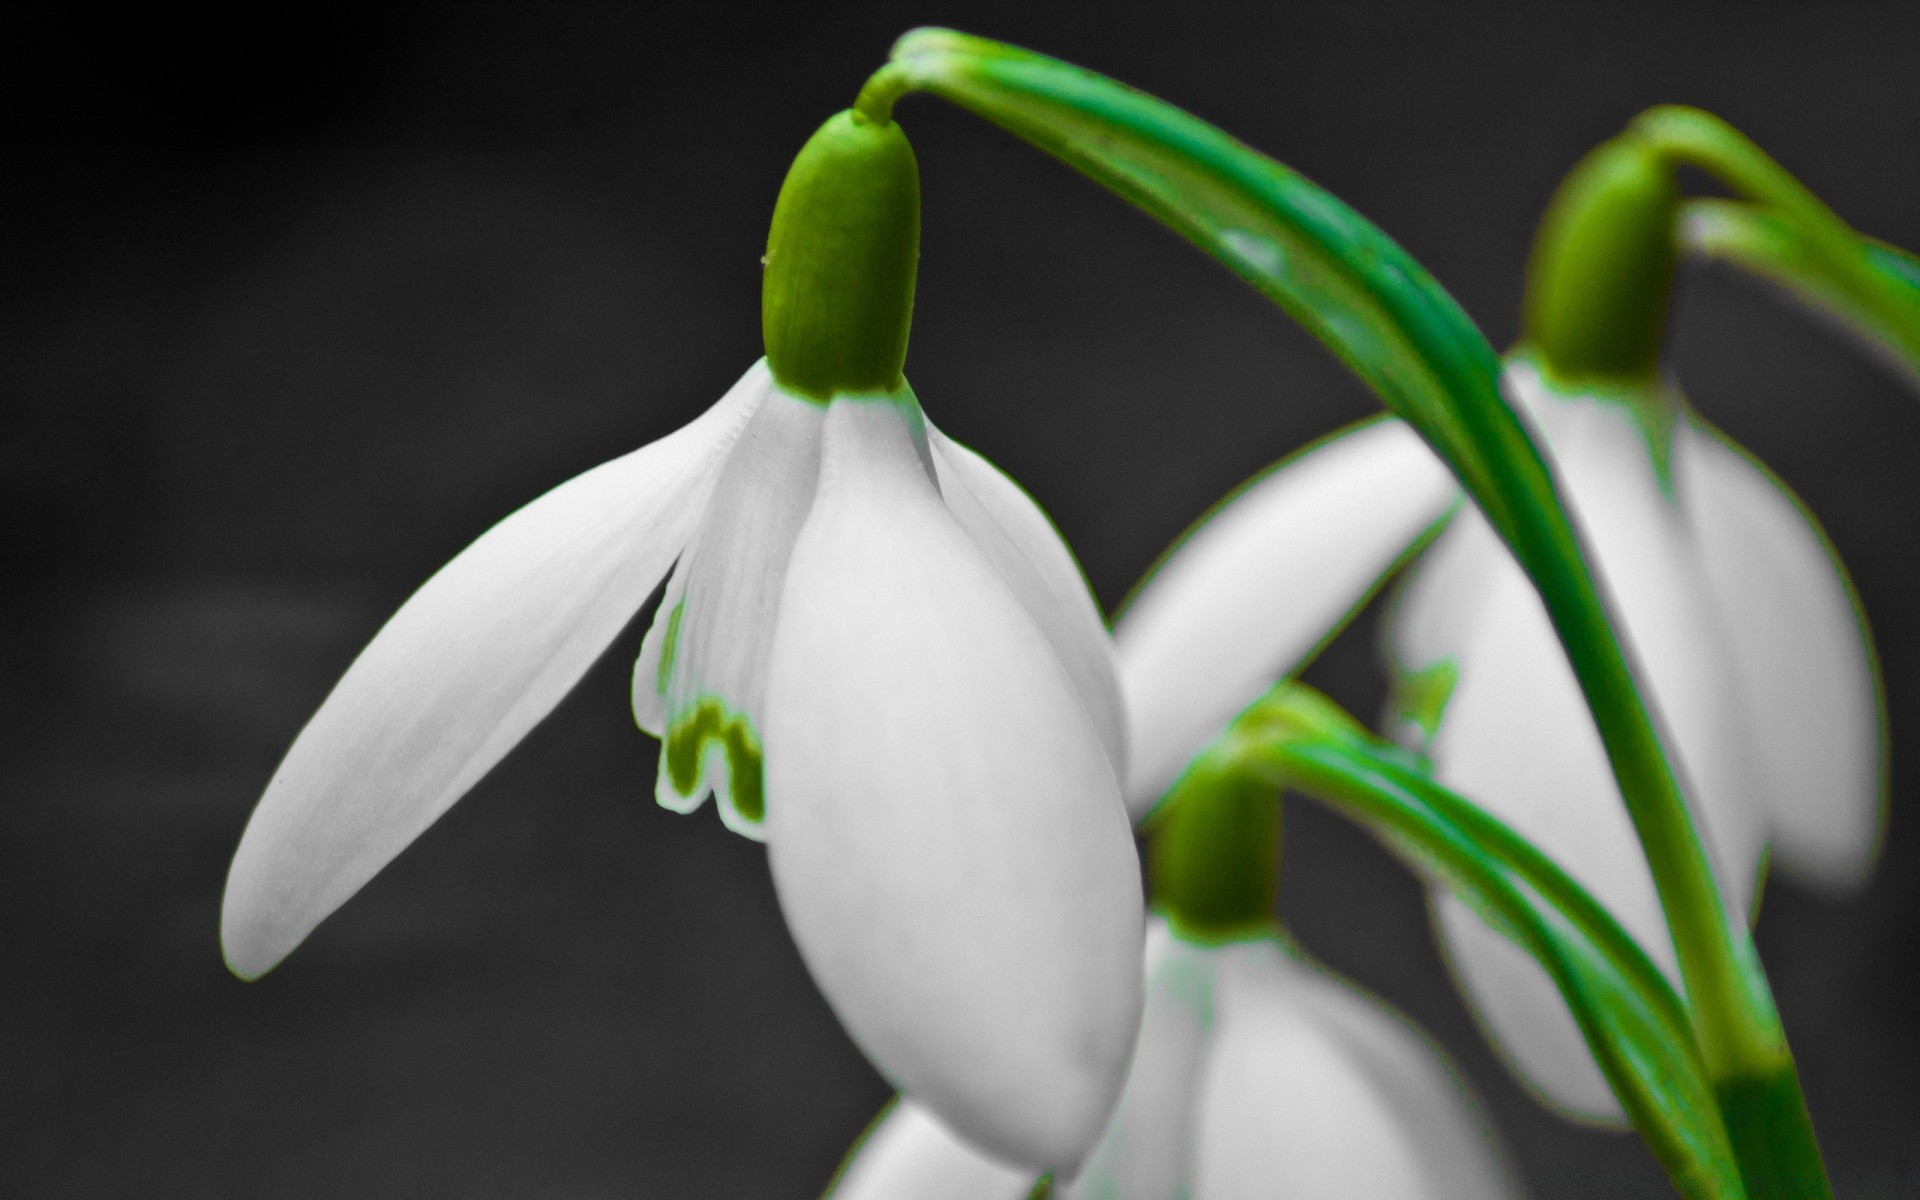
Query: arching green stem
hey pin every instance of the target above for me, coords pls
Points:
(1692, 137)
(1633, 1022)
(1794, 232)
(1386, 318)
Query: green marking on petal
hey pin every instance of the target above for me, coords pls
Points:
(1655, 408)
(744, 765)
(710, 721)
(1420, 696)
(669, 643)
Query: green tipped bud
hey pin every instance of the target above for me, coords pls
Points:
(1213, 855)
(1602, 269)
(837, 301)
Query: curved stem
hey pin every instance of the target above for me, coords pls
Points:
(1394, 326)
(1633, 1023)
(1387, 319)
(878, 95)
(1824, 250)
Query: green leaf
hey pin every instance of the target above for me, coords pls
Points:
(1879, 304)
(1328, 267)
(1634, 1024)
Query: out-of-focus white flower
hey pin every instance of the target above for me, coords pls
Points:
(1262, 581)
(878, 655)
(1256, 1075)
(1755, 658)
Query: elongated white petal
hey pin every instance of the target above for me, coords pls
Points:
(703, 666)
(467, 666)
(1147, 1150)
(909, 1155)
(1256, 585)
(1316, 1091)
(945, 831)
(1805, 663)
(1028, 552)
(1517, 738)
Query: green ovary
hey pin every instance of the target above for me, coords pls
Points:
(1420, 696)
(686, 745)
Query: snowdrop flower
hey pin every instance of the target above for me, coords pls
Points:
(1743, 625)
(1755, 659)
(1256, 1075)
(873, 650)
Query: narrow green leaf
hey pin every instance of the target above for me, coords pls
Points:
(1530, 865)
(1293, 713)
(1879, 304)
(1633, 1023)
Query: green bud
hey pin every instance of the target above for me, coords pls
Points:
(1603, 267)
(1213, 855)
(837, 300)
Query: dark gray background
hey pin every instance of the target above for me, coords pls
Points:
(295, 306)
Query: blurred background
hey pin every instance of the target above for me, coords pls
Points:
(294, 305)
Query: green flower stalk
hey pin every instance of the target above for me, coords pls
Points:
(1385, 317)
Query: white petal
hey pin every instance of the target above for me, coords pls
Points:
(1028, 552)
(704, 662)
(909, 1155)
(1804, 659)
(946, 833)
(1262, 581)
(459, 675)
(1146, 1152)
(1516, 736)
(1315, 1090)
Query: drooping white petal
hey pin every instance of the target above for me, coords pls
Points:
(1805, 662)
(946, 834)
(1315, 1091)
(1147, 1150)
(1028, 552)
(909, 1155)
(459, 675)
(702, 671)
(1516, 736)
(1256, 585)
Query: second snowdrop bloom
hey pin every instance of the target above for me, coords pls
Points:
(1257, 1074)
(873, 650)
(1752, 652)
